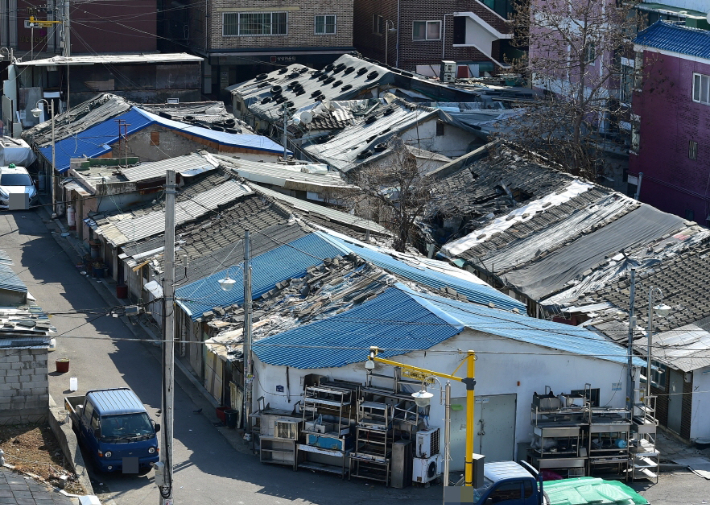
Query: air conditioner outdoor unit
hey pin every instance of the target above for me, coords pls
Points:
(286, 429)
(425, 470)
(448, 71)
(427, 443)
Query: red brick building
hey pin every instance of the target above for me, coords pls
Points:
(418, 35)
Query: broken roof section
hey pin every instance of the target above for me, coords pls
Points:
(291, 176)
(542, 232)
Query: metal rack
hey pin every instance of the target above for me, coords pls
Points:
(371, 456)
(609, 438)
(327, 443)
(645, 457)
(559, 441)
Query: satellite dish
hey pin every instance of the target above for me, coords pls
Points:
(306, 117)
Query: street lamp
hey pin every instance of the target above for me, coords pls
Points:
(389, 28)
(36, 113)
(661, 310)
(226, 284)
(423, 398)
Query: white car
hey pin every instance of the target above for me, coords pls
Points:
(15, 180)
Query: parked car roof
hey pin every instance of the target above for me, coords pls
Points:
(116, 401)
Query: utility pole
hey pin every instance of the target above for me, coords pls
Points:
(54, 166)
(165, 482)
(632, 327)
(67, 43)
(285, 133)
(247, 333)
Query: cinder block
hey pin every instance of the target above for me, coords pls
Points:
(15, 373)
(5, 365)
(27, 357)
(14, 386)
(27, 378)
(12, 358)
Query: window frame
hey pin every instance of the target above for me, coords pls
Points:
(626, 84)
(698, 78)
(590, 53)
(378, 24)
(239, 24)
(325, 24)
(426, 30)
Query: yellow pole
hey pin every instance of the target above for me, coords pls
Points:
(470, 382)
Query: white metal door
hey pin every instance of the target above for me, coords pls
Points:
(494, 429)
(675, 400)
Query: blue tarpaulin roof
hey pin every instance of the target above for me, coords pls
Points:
(401, 320)
(94, 141)
(675, 38)
(282, 263)
(475, 292)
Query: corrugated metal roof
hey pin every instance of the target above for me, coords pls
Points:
(345, 150)
(283, 175)
(189, 165)
(393, 321)
(359, 77)
(477, 292)
(116, 401)
(562, 337)
(9, 280)
(326, 212)
(244, 140)
(284, 262)
(115, 59)
(676, 38)
(94, 141)
(124, 228)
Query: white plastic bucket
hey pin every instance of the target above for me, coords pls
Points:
(73, 384)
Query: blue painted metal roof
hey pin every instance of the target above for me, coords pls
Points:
(283, 262)
(676, 38)
(94, 141)
(475, 292)
(394, 321)
(401, 320)
(116, 401)
(244, 140)
(562, 337)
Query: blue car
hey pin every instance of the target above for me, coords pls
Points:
(114, 427)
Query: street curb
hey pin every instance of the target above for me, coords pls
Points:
(69, 444)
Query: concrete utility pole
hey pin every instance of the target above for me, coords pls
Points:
(66, 33)
(632, 327)
(165, 483)
(54, 166)
(285, 133)
(247, 332)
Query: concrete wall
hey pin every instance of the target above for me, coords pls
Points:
(503, 366)
(669, 120)
(453, 143)
(24, 388)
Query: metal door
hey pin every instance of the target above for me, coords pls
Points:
(494, 429)
(675, 400)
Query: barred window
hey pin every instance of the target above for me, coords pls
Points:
(255, 23)
(325, 25)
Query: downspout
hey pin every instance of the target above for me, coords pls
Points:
(399, 30)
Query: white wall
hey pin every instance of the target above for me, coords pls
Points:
(694, 5)
(699, 427)
(453, 143)
(503, 366)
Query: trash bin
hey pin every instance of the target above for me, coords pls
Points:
(232, 418)
(62, 365)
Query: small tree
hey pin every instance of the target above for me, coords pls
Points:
(575, 56)
(395, 193)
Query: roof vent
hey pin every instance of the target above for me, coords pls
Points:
(283, 70)
(337, 83)
(346, 87)
(329, 80)
(276, 89)
(349, 70)
(261, 77)
(266, 99)
(372, 75)
(361, 70)
(328, 67)
(303, 70)
(371, 119)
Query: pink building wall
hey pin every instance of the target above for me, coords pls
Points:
(668, 121)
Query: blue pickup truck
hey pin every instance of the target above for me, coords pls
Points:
(114, 427)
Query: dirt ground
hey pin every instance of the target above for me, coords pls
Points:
(33, 448)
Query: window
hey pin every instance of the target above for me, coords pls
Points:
(508, 491)
(254, 23)
(426, 30)
(701, 88)
(325, 25)
(378, 24)
(693, 150)
(627, 81)
(439, 128)
(590, 53)
(658, 374)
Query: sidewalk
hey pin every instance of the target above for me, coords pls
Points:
(142, 327)
(16, 489)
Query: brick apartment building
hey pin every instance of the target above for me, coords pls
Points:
(419, 35)
(242, 39)
(96, 27)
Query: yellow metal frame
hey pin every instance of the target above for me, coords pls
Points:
(423, 374)
(43, 24)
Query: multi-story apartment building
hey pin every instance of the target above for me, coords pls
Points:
(96, 27)
(242, 39)
(671, 112)
(417, 36)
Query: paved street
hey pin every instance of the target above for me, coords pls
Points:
(208, 469)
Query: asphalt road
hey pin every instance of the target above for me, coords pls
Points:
(207, 468)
